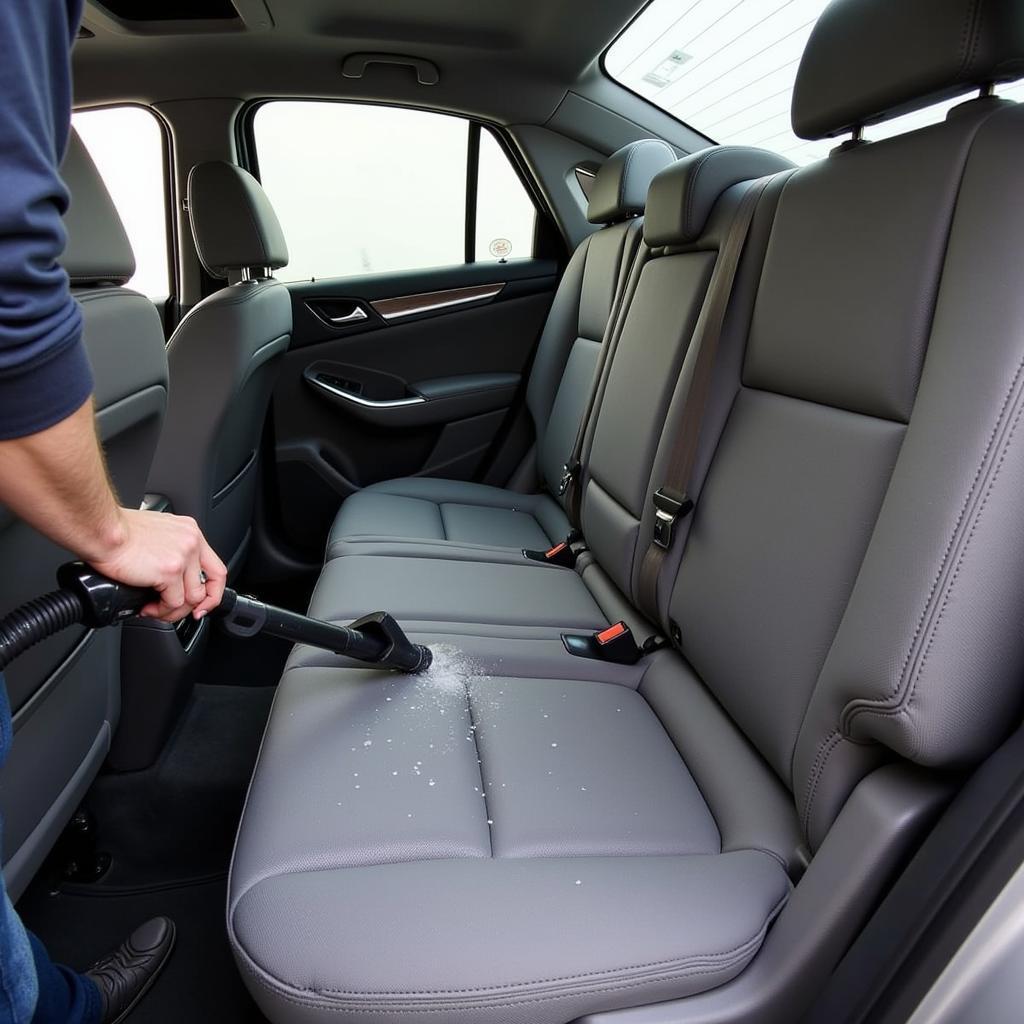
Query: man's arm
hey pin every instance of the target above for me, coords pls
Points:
(56, 480)
(52, 472)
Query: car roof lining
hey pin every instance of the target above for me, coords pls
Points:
(507, 62)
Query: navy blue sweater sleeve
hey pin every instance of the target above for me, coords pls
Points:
(44, 371)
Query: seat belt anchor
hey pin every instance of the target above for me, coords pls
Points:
(569, 472)
(667, 510)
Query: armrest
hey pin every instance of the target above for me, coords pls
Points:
(441, 400)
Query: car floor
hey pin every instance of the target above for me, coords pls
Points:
(169, 830)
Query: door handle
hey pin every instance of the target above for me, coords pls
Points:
(354, 317)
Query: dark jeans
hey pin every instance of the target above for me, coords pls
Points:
(33, 989)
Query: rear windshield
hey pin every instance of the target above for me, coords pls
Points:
(727, 67)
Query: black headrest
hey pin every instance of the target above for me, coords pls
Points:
(870, 60)
(682, 196)
(233, 224)
(620, 188)
(97, 249)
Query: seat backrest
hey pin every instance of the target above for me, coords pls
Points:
(570, 344)
(65, 692)
(224, 359)
(683, 228)
(850, 589)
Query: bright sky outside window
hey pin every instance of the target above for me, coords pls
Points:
(727, 67)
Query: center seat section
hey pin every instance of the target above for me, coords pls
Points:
(697, 838)
(690, 206)
(462, 514)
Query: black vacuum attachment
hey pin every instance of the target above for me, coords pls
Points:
(90, 599)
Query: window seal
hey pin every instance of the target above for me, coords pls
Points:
(472, 188)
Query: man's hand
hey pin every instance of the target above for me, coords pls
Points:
(56, 480)
(169, 554)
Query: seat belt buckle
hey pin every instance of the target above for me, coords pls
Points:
(561, 554)
(667, 510)
(569, 471)
(615, 643)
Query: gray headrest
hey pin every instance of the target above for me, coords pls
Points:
(682, 196)
(233, 223)
(97, 250)
(869, 60)
(620, 188)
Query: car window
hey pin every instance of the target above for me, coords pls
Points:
(363, 189)
(127, 145)
(727, 70)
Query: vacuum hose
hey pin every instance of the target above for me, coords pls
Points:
(90, 599)
(35, 621)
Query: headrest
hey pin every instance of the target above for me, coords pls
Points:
(97, 249)
(682, 196)
(233, 223)
(620, 188)
(869, 60)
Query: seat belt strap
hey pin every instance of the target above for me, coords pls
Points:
(570, 485)
(671, 500)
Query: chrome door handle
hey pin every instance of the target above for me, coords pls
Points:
(354, 317)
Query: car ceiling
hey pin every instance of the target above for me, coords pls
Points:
(510, 62)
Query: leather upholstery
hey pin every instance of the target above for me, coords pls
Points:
(846, 610)
(233, 223)
(870, 60)
(224, 357)
(65, 692)
(97, 249)
(682, 196)
(620, 187)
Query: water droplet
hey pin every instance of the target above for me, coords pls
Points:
(387, 698)
(579, 881)
(430, 782)
(394, 773)
(554, 744)
(583, 789)
(357, 785)
(367, 743)
(490, 821)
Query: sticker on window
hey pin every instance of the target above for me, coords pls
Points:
(500, 248)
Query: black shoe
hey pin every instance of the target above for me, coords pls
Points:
(125, 976)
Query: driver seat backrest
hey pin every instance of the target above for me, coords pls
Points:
(65, 692)
(224, 358)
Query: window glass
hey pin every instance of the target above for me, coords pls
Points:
(505, 214)
(363, 189)
(127, 146)
(728, 70)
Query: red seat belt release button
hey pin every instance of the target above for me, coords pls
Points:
(606, 636)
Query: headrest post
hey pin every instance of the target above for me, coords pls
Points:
(858, 134)
(987, 90)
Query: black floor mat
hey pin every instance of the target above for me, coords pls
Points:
(200, 983)
(169, 830)
(177, 820)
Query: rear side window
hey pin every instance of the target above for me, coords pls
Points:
(127, 145)
(363, 189)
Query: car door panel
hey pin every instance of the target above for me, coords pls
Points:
(401, 374)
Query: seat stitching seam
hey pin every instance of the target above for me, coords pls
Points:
(855, 708)
(444, 523)
(825, 749)
(903, 708)
(625, 174)
(694, 178)
(966, 37)
(480, 766)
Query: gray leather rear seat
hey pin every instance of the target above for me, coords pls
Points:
(640, 399)
(528, 837)
(463, 513)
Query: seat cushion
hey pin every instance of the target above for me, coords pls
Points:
(483, 848)
(451, 512)
(523, 598)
